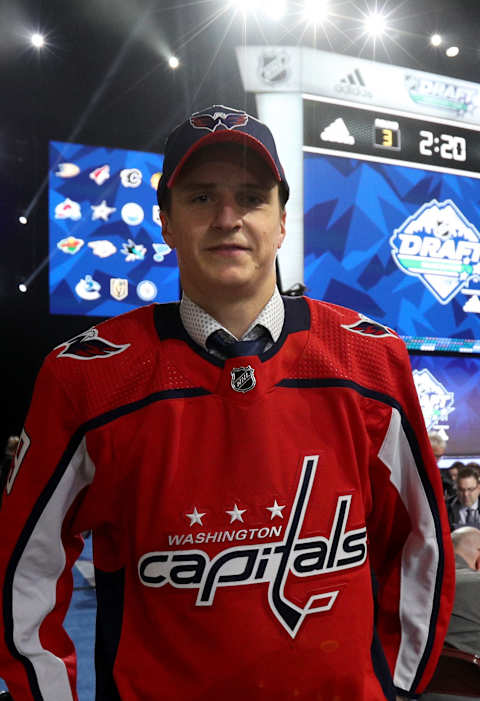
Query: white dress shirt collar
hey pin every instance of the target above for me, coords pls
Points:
(199, 324)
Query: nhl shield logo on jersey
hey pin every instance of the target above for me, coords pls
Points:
(243, 379)
(368, 327)
(89, 345)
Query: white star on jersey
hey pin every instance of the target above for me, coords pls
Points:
(236, 514)
(275, 510)
(195, 517)
(102, 210)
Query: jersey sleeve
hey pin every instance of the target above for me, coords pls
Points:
(410, 543)
(38, 547)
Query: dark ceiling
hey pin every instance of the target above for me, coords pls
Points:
(103, 78)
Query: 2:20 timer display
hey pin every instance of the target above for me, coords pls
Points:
(448, 146)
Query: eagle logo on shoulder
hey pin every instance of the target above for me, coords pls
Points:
(89, 345)
(367, 327)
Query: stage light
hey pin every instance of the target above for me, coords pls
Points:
(436, 40)
(173, 62)
(275, 9)
(244, 6)
(22, 287)
(37, 40)
(315, 11)
(22, 219)
(375, 24)
(452, 51)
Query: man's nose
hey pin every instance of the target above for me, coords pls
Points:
(227, 214)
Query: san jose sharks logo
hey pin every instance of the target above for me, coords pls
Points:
(435, 400)
(440, 247)
(89, 345)
(272, 563)
(218, 118)
(367, 327)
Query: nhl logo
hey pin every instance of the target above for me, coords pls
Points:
(274, 67)
(243, 379)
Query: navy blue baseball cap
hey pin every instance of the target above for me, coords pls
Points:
(214, 125)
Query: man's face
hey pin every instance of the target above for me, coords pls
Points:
(226, 224)
(453, 472)
(468, 490)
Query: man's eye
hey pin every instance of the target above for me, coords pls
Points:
(251, 199)
(203, 197)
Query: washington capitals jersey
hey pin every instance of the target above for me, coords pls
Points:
(264, 527)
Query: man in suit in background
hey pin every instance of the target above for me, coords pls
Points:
(464, 629)
(463, 508)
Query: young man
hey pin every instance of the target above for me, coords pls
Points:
(267, 515)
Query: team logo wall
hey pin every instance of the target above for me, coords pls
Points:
(436, 401)
(218, 119)
(274, 67)
(243, 379)
(444, 95)
(272, 563)
(440, 247)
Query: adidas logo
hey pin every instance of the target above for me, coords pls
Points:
(338, 132)
(354, 78)
(353, 84)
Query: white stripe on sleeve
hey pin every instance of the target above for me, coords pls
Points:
(35, 579)
(420, 557)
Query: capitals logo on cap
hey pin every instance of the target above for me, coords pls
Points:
(213, 120)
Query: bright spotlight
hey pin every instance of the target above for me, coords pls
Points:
(452, 51)
(435, 40)
(375, 24)
(22, 219)
(245, 6)
(315, 11)
(275, 9)
(173, 62)
(22, 287)
(37, 40)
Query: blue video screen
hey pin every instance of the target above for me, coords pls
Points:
(106, 250)
(399, 244)
(449, 393)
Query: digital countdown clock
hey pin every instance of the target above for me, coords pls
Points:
(375, 133)
(392, 221)
(448, 146)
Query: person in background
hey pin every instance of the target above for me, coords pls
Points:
(463, 509)
(464, 627)
(453, 471)
(439, 444)
(254, 469)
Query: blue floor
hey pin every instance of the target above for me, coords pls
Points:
(80, 624)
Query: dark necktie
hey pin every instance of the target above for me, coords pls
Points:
(228, 349)
(470, 518)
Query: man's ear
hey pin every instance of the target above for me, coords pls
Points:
(166, 230)
(283, 230)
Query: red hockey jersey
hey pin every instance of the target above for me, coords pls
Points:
(268, 527)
